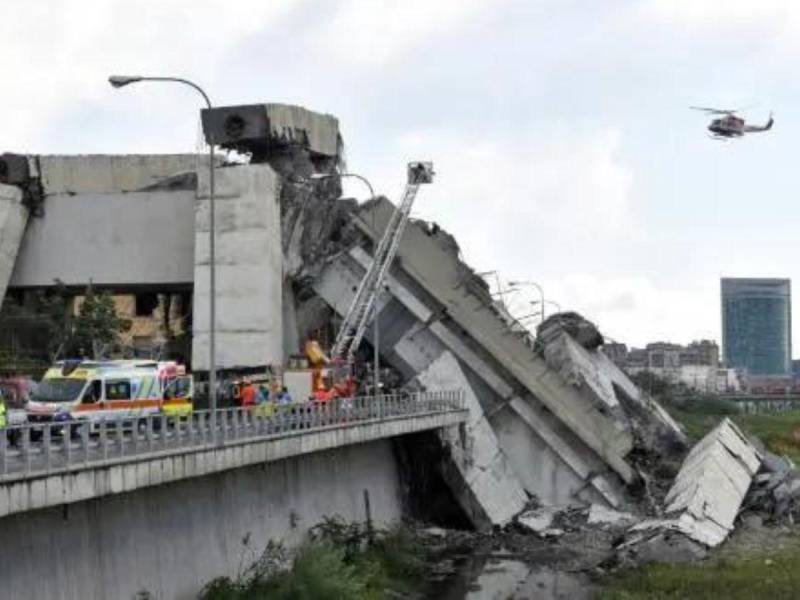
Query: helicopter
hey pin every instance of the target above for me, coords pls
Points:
(729, 125)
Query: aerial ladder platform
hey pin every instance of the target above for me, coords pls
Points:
(357, 317)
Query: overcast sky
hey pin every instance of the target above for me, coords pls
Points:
(560, 130)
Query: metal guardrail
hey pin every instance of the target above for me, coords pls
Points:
(36, 449)
(761, 405)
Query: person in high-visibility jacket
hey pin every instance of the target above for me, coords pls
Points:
(2, 412)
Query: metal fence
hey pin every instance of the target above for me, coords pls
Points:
(757, 406)
(35, 449)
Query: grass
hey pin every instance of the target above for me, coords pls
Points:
(769, 574)
(341, 561)
(780, 432)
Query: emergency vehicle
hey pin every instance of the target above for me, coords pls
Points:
(95, 391)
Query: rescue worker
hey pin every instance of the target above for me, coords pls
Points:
(284, 397)
(248, 394)
(2, 411)
(262, 396)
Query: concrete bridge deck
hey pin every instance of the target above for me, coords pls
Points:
(59, 469)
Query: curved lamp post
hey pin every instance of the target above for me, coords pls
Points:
(534, 284)
(119, 81)
(550, 302)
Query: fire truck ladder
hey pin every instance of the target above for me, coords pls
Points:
(355, 321)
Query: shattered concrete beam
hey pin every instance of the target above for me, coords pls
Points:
(436, 269)
(708, 491)
(598, 432)
(582, 467)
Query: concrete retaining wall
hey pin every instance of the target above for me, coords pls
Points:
(173, 538)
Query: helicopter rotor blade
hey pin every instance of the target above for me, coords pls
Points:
(713, 111)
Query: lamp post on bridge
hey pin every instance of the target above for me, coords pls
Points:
(376, 335)
(550, 302)
(119, 81)
(516, 284)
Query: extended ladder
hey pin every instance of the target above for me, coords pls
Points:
(357, 317)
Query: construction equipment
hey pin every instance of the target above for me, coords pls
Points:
(357, 317)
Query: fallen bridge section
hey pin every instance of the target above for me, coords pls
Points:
(479, 473)
(564, 418)
(704, 500)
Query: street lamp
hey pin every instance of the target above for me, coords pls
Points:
(376, 338)
(551, 302)
(500, 291)
(534, 284)
(119, 81)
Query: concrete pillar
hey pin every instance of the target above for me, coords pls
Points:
(249, 269)
(13, 218)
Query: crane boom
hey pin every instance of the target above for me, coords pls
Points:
(356, 319)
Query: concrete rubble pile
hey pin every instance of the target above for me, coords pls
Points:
(702, 505)
(775, 493)
(723, 477)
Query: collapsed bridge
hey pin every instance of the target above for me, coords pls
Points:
(550, 418)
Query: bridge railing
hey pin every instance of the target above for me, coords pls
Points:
(34, 449)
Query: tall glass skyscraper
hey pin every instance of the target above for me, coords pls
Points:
(757, 325)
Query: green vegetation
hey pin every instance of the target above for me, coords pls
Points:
(768, 574)
(96, 329)
(341, 561)
(45, 327)
(780, 432)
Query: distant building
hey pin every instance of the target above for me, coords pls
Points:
(663, 355)
(637, 358)
(796, 368)
(756, 325)
(701, 353)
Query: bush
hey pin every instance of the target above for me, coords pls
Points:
(340, 561)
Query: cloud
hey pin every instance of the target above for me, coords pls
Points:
(734, 12)
(373, 32)
(520, 200)
(59, 54)
(637, 309)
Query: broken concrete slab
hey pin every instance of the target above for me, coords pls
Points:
(601, 515)
(776, 464)
(491, 492)
(539, 519)
(577, 327)
(708, 491)
(609, 389)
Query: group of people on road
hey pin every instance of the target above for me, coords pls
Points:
(253, 394)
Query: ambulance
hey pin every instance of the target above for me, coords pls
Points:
(81, 391)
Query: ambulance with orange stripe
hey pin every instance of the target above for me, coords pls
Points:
(93, 391)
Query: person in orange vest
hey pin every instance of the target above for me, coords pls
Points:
(248, 394)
